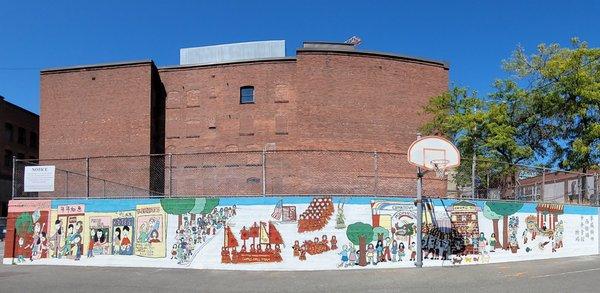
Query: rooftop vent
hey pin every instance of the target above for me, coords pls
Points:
(232, 52)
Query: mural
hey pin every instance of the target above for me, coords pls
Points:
(262, 233)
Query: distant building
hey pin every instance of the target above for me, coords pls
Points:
(560, 187)
(241, 97)
(19, 138)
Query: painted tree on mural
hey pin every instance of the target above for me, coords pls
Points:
(360, 234)
(504, 209)
(380, 233)
(24, 224)
(490, 214)
(181, 206)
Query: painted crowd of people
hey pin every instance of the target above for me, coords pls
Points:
(196, 230)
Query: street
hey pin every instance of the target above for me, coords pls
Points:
(577, 274)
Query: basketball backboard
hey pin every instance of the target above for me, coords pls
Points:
(433, 153)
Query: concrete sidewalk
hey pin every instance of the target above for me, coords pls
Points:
(578, 274)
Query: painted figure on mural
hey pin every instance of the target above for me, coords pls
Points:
(100, 241)
(302, 252)
(36, 243)
(344, 257)
(413, 251)
(143, 236)
(154, 237)
(401, 251)
(386, 251)
(77, 241)
(493, 240)
(56, 238)
(67, 248)
(296, 248)
(371, 254)
(352, 255)
(116, 242)
(333, 243)
(126, 246)
(21, 249)
(482, 242)
(91, 243)
(394, 250)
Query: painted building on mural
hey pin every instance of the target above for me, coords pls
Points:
(250, 233)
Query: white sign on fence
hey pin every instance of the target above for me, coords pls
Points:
(39, 178)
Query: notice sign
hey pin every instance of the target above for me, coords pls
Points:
(39, 178)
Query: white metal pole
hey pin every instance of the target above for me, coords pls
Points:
(419, 203)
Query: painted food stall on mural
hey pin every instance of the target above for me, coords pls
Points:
(264, 233)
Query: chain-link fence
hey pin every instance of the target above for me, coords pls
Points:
(303, 173)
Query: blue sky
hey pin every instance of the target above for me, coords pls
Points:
(473, 36)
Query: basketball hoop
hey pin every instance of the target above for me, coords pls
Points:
(439, 166)
(434, 153)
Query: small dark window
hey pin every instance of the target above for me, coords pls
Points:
(8, 132)
(8, 158)
(247, 95)
(21, 136)
(33, 140)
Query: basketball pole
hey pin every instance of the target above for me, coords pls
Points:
(419, 204)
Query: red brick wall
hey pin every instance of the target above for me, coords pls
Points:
(98, 111)
(321, 100)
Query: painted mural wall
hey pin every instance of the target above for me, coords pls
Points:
(291, 233)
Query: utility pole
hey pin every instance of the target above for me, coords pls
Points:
(473, 175)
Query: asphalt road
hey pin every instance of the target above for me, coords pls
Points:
(579, 274)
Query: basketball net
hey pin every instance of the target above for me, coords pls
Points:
(439, 166)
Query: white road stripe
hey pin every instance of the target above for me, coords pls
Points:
(566, 273)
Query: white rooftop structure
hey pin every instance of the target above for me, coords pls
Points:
(232, 52)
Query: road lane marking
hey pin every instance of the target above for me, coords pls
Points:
(565, 273)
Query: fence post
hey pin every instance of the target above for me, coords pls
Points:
(67, 184)
(597, 189)
(14, 173)
(170, 175)
(543, 184)
(264, 172)
(376, 162)
(87, 176)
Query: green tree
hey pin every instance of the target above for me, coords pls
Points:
(177, 206)
(564, 92)
(360, 234)
(490, 214)
(504, 209)
(493, 129)
(24, 224)
(380, 233)
(210, 204)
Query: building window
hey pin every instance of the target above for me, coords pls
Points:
(33, 140)
(8, 132)
(247, 95)
(8, 158)
(21, 136)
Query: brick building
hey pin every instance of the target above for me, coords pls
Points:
(20, 139)
(329, 96)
